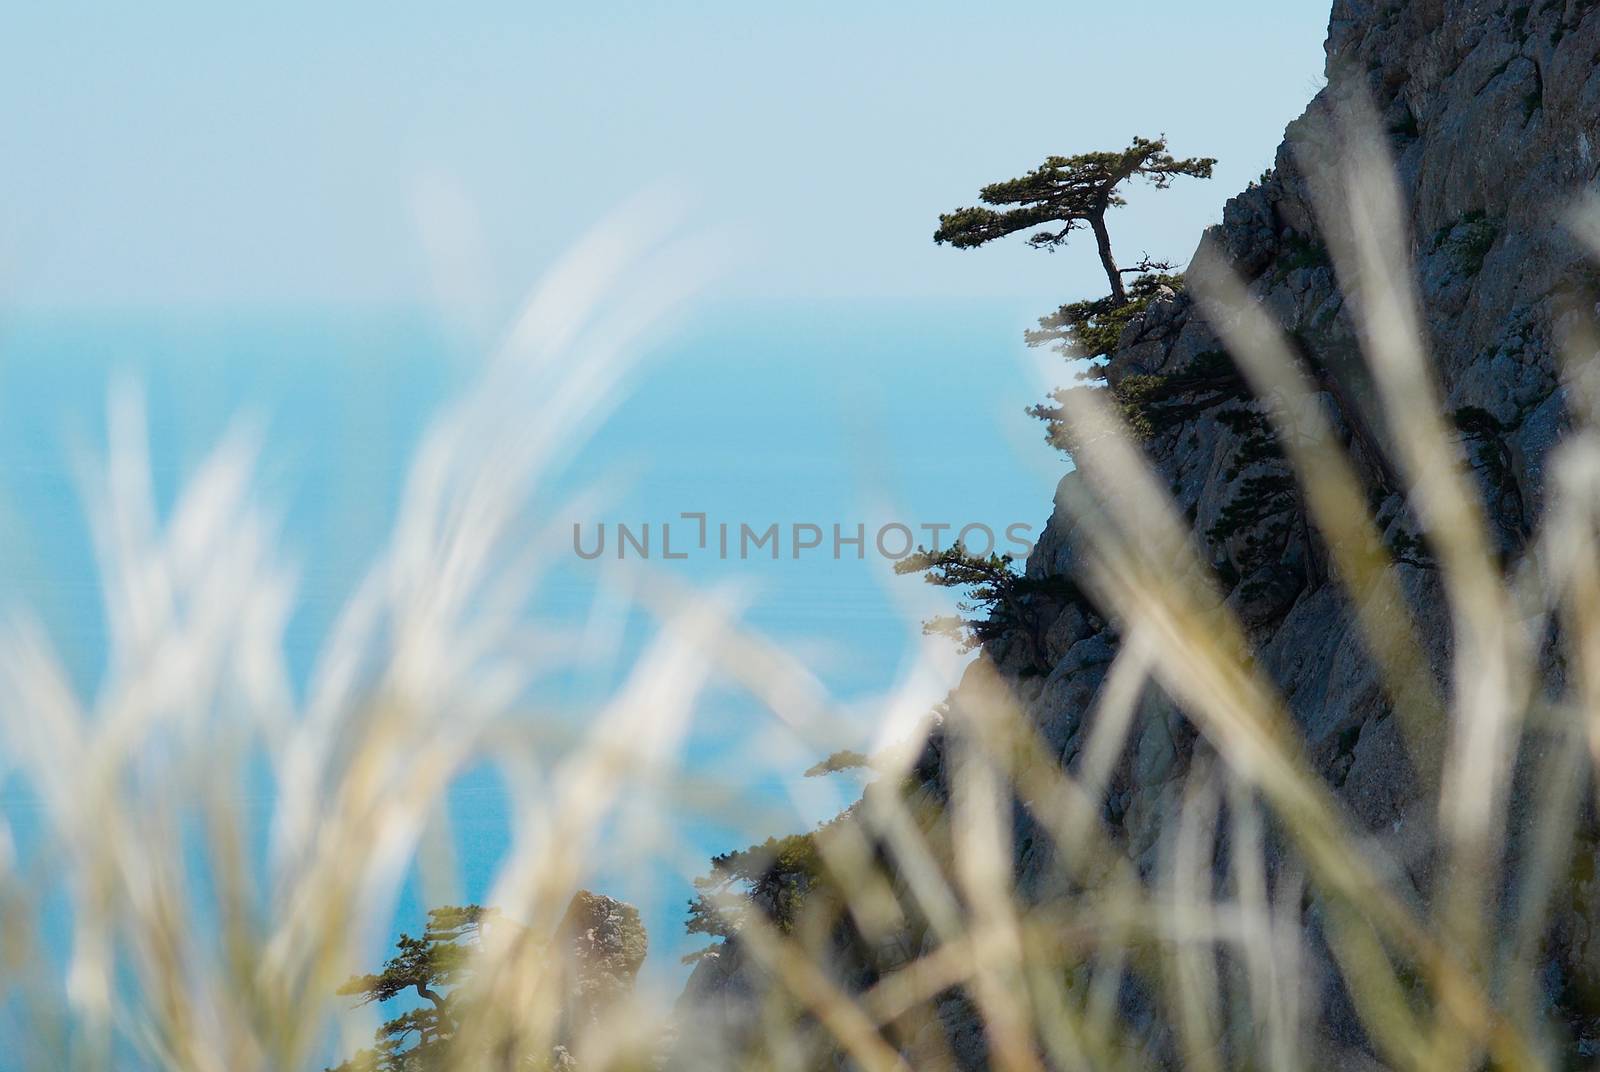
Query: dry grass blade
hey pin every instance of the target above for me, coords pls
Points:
(1361, 212)
(1337, 501)
(1148, 572)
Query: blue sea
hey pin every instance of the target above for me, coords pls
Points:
(820, 414)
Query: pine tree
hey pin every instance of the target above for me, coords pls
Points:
(772, 878)
(430, 966)
(1000, 602)
(1068, 192)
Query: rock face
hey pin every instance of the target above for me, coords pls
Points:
(1493, 113)
(719, 1008)
(1492, 108)
(605, 942)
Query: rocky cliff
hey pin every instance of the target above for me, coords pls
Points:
(1492, 108)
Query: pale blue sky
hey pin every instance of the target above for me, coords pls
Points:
(179, 155)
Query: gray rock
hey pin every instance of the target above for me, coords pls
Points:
(606, 944)
(1249, 231)
(1541, 430)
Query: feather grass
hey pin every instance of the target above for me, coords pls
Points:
(190, 950)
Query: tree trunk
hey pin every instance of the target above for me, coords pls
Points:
(1102, 238)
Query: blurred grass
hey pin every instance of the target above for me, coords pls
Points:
(189, 950)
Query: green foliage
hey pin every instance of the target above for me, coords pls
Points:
(396, 1050)
(1260, 509)
(1155, 403)
(1065, 193)
(842, 760)
(1065, 190)
(1257, 510)
(430, 966)
(772, 878)
(1152, 403)
(999, 601)
(1059, 196)
(1090, 329)
(696, 956)
(435, 959)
